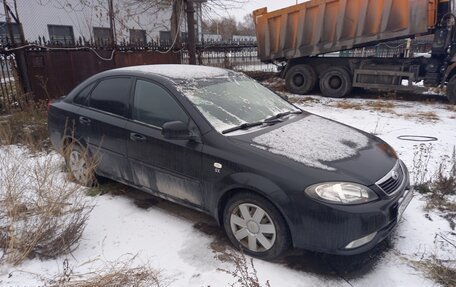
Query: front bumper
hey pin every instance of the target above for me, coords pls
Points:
(330, 228)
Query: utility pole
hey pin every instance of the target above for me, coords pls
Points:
(112, 23)
(21, 29)
(8, 23)
(19, 54)
(191, 42)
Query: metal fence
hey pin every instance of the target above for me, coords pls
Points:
(244, 56)
(235, 56)
(390, 49)
(11, 94)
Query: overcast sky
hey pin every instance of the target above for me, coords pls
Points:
(248, 7)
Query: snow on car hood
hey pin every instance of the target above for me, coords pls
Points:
(313, 141)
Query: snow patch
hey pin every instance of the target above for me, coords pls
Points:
(313, 141)
(185, 72)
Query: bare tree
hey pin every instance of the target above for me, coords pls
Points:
(247, 26)
(228, 26)
(176, 22)
(126, 11)
(225, 26)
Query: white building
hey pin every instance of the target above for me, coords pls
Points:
(212, 38)
(71, 20)
(242, 38)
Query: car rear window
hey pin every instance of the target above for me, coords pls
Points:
(111, 95)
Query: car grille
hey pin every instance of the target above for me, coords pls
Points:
(393, 180)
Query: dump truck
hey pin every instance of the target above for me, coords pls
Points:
(299, 38)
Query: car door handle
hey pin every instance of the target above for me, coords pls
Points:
(137, 137)
(84, 121)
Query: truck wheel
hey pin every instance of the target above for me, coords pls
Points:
(301, 79)
(335, 83)
(451, 90)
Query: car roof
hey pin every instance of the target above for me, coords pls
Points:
(181, 72)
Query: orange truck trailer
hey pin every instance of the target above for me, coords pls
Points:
(301, 36)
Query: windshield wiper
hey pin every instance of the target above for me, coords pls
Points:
(243, 126)
(281, 115)
(269, 121)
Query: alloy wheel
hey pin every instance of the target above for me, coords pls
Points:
(252, 227)
(78, 166)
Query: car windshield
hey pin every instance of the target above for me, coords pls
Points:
(233, 100)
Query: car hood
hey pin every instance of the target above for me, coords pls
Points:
(317, 143)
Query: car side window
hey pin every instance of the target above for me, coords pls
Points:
(111, 95)
(154, 105)
(83, 96)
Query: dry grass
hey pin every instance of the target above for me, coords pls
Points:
(276, 84)
(304, 100)
(112, 274)
(41, 213)
(388, 96)
(452, 108)
(443, 186)
(440, 187)
(431, 116)
(244, 274)
(382, 106)
(89, 160)
(264, 76)
(424, 116)
(438, 270)
(346, 105)
(27, 127)
(420, 170)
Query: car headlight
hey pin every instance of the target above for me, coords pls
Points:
(341, 193)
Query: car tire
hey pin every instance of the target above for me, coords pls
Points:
(254, 225)
(301, 79)
(80, 165)
(451, 90)
(335, 82)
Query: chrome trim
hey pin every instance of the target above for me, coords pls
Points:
(145, 124)
(390, 175)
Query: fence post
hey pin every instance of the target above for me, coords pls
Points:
(112, 24)
(19, 55)
(191, 32)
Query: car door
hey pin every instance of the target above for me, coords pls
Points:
(171, 167)
(74, 126)
(104, 120)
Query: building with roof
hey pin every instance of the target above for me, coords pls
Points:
(67, 21)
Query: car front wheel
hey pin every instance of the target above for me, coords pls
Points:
(253, 224)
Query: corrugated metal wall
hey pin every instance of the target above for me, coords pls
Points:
(55, 73)
(323, 26)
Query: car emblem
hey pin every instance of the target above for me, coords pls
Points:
(395, 175)
(218, 167)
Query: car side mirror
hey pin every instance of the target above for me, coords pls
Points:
(177, 130)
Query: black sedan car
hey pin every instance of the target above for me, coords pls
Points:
(273, 175)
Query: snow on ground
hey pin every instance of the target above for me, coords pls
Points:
(188, 246)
